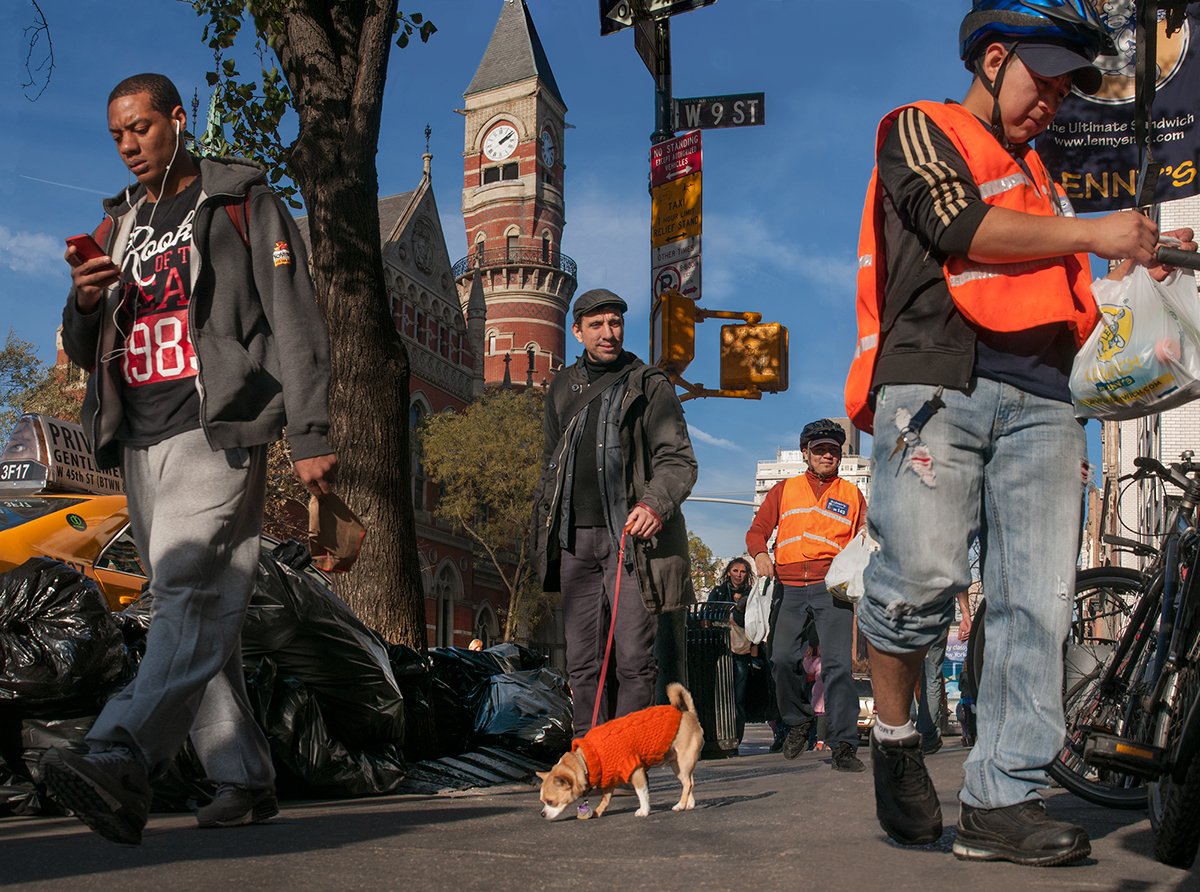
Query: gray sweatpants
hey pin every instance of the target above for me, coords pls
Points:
(196, 516)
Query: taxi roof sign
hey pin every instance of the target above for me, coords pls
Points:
(47, 454)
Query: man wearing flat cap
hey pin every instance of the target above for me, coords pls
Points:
(617, 465)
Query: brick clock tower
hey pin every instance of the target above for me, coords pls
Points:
(513, 207)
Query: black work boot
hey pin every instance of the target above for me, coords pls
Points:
(1021, 833)
(906, 803)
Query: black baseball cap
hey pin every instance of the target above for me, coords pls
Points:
(1054, 60)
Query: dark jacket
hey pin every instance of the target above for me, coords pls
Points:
(649, 460)
(260, 342)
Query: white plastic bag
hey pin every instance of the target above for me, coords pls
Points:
(758, 610)
(845, 577)
(1144, 356)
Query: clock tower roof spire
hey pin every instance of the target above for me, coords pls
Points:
(514, 54)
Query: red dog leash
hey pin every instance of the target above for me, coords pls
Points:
(611, 626)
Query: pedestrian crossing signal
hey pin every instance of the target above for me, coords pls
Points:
(754, 356)
(673, 332)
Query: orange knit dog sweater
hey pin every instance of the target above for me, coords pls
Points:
(613, 750)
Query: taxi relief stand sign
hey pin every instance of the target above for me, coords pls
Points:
(1090, 146)
(675, 216)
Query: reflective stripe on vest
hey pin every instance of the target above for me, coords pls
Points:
(1003, 297)
(808, 529)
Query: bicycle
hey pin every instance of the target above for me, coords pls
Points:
(1131, 701)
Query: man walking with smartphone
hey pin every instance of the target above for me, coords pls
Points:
(201, 334)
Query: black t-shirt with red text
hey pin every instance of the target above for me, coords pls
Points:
(157, 363)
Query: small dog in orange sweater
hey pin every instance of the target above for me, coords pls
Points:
(620, 751)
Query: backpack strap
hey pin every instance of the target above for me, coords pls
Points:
(239, 214)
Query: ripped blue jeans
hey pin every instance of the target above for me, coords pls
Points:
(1010, 468)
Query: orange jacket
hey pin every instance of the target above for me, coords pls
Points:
(1003, 297)
(615, 749)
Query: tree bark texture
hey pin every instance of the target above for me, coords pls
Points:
(334, 56)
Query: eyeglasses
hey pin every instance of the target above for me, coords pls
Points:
(825, 449)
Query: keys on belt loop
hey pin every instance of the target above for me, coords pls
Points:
(912, 432)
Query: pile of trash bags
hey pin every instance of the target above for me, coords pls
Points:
(332, 696)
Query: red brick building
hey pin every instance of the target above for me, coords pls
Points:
(513, 205)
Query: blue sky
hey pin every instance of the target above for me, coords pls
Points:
(782, 202)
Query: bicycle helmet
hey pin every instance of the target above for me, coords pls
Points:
(1052, 37)
(822, 429)
(1069, 23)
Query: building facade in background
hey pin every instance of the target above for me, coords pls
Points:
(1137, 510)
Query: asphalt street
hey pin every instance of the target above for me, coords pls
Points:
(760, 823)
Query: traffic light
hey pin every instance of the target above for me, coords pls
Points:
(754, 356)
(673, 332)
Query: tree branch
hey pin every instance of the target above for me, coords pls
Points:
(34, 34)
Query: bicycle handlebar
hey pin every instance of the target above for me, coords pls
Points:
(1178, 257)
(1176, 474)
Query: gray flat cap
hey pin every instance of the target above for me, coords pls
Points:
(590, 301)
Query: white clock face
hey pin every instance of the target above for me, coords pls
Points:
(500, 143)
(547, 148)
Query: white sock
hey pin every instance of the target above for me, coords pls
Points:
(893, 733)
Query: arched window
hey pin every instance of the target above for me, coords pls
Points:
(416, 414)
(487, 628)
(447, 589)
(545, 247)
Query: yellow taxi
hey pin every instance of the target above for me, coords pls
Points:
(54, 502)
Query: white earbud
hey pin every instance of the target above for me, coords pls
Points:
(176, 128)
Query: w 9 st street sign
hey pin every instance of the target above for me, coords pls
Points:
(709, 112)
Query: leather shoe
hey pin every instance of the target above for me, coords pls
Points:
(1021, 833)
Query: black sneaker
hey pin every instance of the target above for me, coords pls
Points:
(906, 803)
(796, 741)
(844, 759)
(108, 791)
(1021, 833)
(781, 732)
(234, 806)
(929, 747)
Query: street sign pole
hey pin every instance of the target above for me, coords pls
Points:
(664, 110)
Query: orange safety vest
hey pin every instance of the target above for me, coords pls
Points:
(815, 526)
(1002, 297)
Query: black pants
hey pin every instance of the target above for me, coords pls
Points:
(834, 620)
(588, 575)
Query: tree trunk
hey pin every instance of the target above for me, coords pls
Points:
(334, 56)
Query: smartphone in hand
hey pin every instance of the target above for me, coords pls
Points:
(85, 246)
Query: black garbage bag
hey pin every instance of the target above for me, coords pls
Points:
(25, 739)
(414, 674)
(58, 639)
(313, 637)
(293, 553)
(517, 658)
(464, 670)
(460, 682)
(309, 760)
(526, 711)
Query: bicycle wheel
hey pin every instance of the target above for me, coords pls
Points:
(1175, 807)
(1105, 600)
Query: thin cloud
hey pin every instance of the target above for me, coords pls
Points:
(31, 253)
(700, 435)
